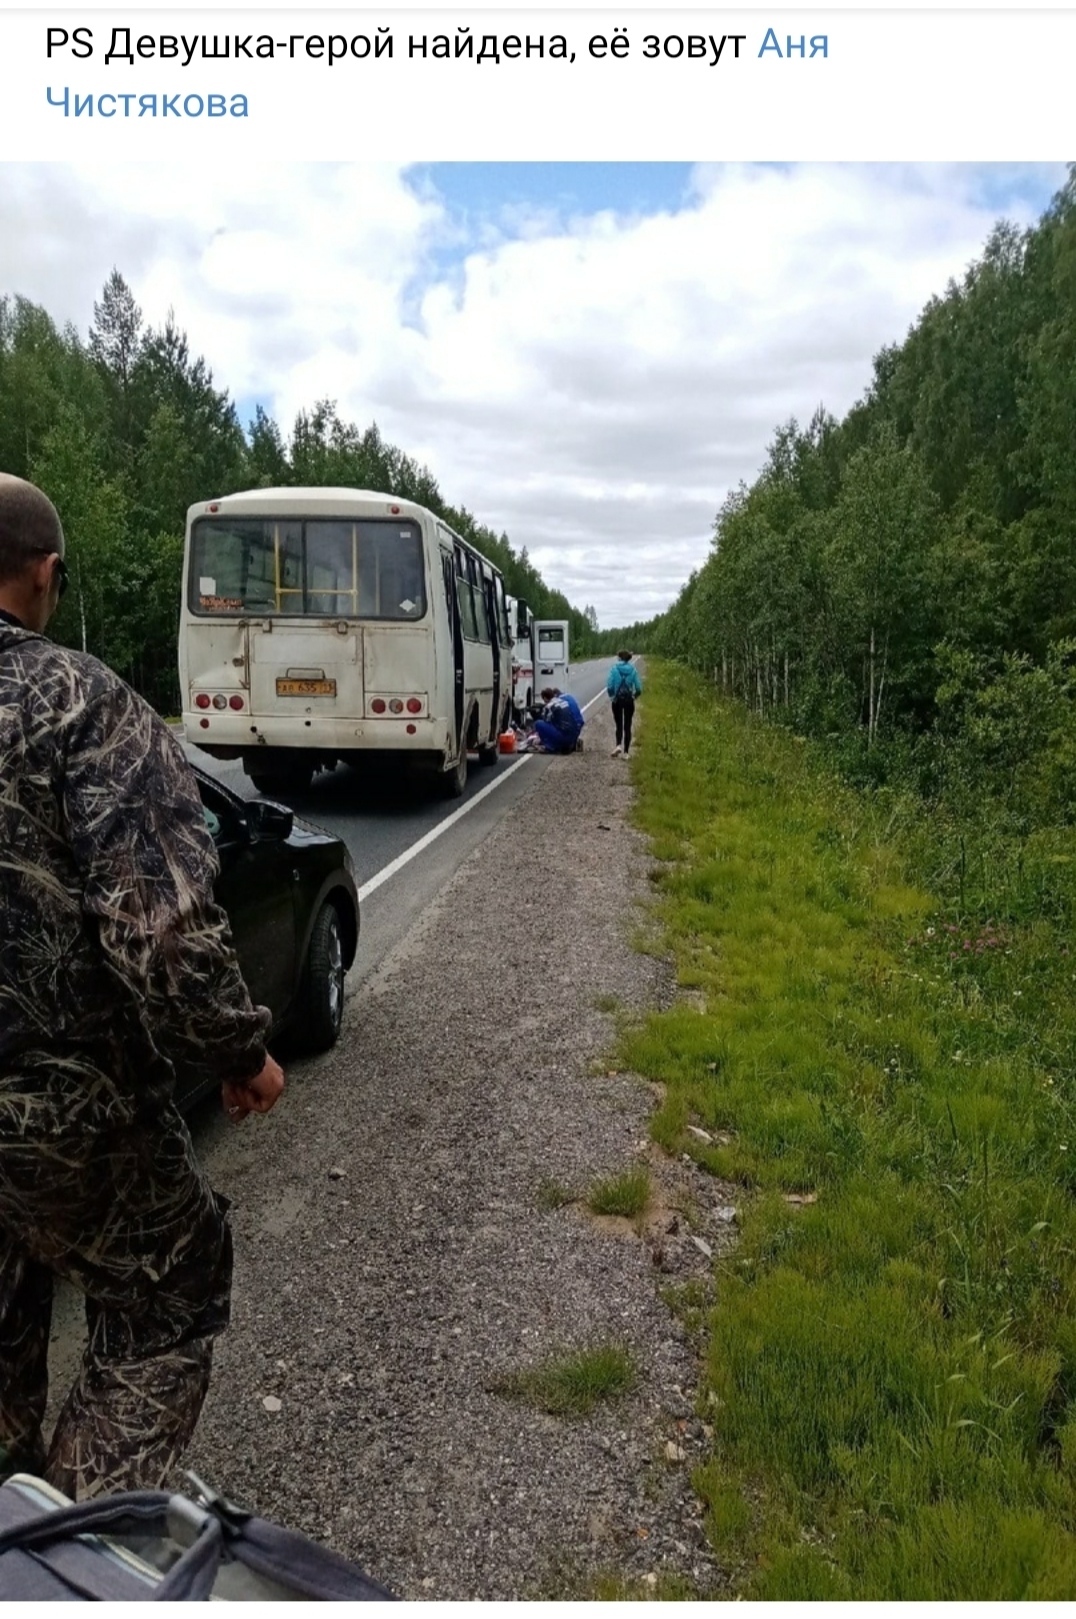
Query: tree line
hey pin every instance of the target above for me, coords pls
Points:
(903, 581)
(126, 428)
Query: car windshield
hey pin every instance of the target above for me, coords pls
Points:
(324, 568)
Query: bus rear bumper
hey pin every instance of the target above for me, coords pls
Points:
(272, 746)
(405, 733)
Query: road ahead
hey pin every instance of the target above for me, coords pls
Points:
(381, 823)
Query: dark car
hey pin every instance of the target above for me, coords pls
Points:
(289, 890)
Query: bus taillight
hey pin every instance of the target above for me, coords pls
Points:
(378, 705)
(202, 700)
(414, 705)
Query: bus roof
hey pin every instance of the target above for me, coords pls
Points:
(306, 499)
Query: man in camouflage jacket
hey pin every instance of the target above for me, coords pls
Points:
(116, 967)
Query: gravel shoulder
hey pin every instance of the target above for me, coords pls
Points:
(396, 1257)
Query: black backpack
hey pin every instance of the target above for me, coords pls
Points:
(146, 1545)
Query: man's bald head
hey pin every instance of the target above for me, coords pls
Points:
(29, 526)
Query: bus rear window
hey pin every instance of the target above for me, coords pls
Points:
(315, 568)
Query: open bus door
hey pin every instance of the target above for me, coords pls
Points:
(550, 640)
(520, 621)
(487, 752)
(448, 562)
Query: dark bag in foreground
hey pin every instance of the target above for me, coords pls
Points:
(146, 1545)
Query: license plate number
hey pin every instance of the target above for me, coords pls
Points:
(306, 688)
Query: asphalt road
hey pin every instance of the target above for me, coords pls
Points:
(380, 823)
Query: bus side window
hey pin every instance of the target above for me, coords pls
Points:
(478, 596)
(504, 632)
(465, 596)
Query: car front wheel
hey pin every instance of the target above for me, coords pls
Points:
(321, 1002)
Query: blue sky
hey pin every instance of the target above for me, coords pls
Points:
(490, 189)
(479, 196)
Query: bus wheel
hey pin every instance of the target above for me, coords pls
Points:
(454, 781)
(296, 779)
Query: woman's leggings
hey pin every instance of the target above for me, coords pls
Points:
(623, 713)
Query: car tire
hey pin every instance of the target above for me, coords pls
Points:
(320, 1010)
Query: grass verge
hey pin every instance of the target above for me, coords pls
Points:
(571, 1385)
(891, 1367)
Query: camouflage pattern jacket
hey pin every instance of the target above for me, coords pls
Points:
(116, 964)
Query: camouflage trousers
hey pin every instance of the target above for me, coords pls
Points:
(120, 1207)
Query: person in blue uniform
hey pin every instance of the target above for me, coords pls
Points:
(561, 722)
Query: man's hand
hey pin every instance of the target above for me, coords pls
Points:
(255, 1095)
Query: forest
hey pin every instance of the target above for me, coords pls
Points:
(902, 583)
(126, 428)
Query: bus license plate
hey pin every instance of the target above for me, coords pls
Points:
(306, 688)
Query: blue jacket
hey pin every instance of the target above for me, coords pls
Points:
(623, 681)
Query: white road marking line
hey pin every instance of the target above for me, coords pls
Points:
(429, 837)
(435, 832)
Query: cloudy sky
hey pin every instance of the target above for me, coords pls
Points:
(587, 356)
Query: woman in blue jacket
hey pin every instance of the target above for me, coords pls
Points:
(623, 686)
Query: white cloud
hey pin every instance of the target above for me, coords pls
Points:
(593, 385)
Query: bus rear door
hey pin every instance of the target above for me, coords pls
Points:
(306, 673)
(551, 667)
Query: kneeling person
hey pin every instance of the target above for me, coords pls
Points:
(561, 721)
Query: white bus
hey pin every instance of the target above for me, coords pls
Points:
(326, 625)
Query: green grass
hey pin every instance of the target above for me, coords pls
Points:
(626, 1194)
(572, 1384)
(552, 1194)
(891, 1368)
